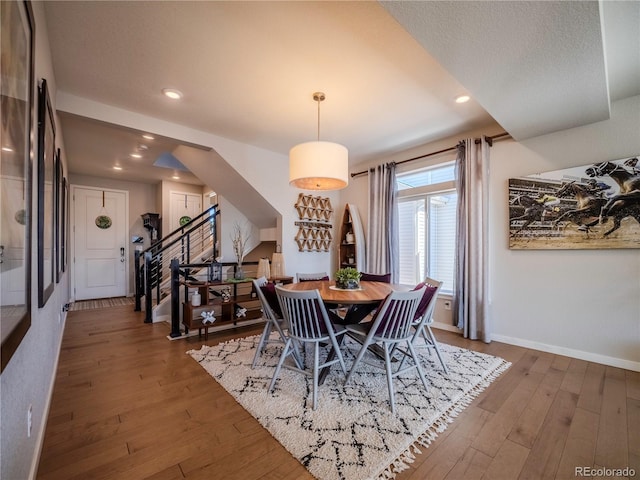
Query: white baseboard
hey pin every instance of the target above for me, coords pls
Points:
(446, 326)
(558, 350)
(569, 352)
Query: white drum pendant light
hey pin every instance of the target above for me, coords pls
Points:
(319, 165)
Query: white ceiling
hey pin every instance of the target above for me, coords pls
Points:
(390, 70)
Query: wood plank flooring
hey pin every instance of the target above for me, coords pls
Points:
(130, 404)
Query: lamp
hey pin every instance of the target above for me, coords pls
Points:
(277, 263)
(319, 165)
(263, 268)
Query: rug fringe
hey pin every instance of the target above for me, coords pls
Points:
(406, 458)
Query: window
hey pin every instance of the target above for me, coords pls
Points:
(427, 223)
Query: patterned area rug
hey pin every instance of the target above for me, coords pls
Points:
(101, 303)
(353, 434)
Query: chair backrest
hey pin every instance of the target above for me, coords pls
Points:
(394, 318)
(428, 302)
(308, 277)
(373, 277)
(305, 314)
(270, 306)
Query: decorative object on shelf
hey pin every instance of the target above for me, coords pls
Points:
(351, 259)
(239, 239)
(319, 165)
(196, 299)
(350, 238)
(241, 312)
(184, 220)
(215, 272)
(226, 294)
(348, 278)
(277, 263)
(208, 317)
(264, 270)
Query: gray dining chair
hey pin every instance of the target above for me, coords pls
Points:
(309, 277)
(390, 329)
(308, 323)
(424, 318)
(272, 316)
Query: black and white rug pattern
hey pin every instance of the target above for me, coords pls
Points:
(352, 435)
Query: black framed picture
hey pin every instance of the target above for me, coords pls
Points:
(59, 225)
(17, 114)
(46, 196)
(65, 221)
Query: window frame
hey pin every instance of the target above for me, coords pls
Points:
(425, 192)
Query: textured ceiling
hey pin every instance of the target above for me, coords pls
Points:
(390, 70)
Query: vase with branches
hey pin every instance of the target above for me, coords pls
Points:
(239, 238)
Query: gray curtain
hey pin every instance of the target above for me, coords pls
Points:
(471, 296)
(382, 231)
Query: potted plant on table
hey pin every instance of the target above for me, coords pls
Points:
(348, 278)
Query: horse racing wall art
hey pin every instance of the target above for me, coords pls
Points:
(592, 206)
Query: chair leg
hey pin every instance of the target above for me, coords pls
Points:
(434, 342)
(416, 360)
(263, 340)
(387, 366)
(361, 354)
(316, 363)
(285, 352)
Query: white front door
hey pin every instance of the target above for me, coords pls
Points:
(100, 243)
(184, 207)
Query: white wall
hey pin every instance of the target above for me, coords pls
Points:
(28, 377)
(581, 303)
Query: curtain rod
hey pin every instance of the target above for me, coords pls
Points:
(444, 150)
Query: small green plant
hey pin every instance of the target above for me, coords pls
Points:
(348, 277)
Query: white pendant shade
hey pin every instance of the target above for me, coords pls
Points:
(319, 166)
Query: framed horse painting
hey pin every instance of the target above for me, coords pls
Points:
(588, 207)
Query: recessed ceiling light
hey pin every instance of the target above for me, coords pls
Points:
(135, 155)
(462, 98)
(7, 149)
(172, 93)
(117, 167)
(148, 137)
(176, 177)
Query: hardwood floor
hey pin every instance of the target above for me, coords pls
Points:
(130, 404)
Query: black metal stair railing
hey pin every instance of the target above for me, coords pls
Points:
(194, 240)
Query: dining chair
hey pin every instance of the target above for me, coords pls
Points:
(309, 277)
(357, 313)
(424, 317)
(272, 316)
(391, 327)
(308, 323)
(374, 277)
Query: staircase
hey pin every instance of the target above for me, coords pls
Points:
(194, 242)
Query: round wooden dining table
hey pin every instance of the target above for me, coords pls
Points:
(369, 292)
(360, 301)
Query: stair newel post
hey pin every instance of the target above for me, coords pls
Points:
(148, 305)
(175, 298)
(188, 249)
(137, 279)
